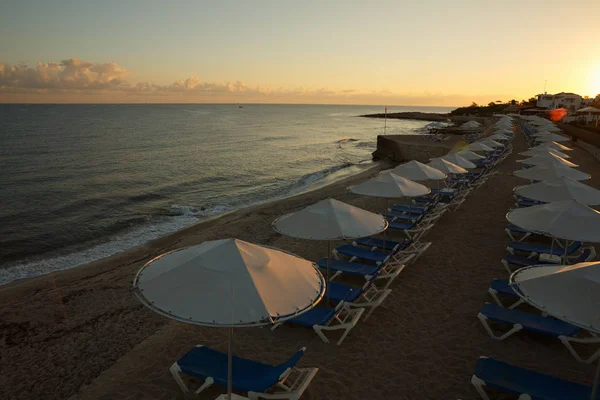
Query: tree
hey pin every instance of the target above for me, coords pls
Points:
(513, 102)
(491, 104)
(473, 104)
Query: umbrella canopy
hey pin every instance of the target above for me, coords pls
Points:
(416, 171)
(548, 158)
(330, 219)
(542, 151)
(568, 292)
(446, 166)
(491, 143)
(477, 146)
(552, 128)
(553, 137)
(503, 125)
(552, 145)
(470, 125)
(560, 189)
(500, 137)
(551, 171)
(469, 155)
(459, 160)
(541, 134)
(229, 283)
(541, 122)
(390, 185)
(589, 110)
(567, 219)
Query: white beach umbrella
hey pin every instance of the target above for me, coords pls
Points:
(567, 219)
(500, 137)
(548, 158)
(469, 155)
(417, 171)
(471, 125)
(540, 122)
(503, 125)
(552, 138)
(229, 283)
(551, 171)
(551, 128)
(542, 151)
(459, 160)
(391, 186)
(568, 292)
(446, 166)
(560, 189)
(491, 143)
(477, 146)
(553, 145)
(329, 220)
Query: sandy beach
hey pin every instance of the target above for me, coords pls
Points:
(81, 334)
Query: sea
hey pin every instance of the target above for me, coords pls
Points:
(81, 182)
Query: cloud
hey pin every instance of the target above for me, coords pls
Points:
(68, 80)
(71, 74)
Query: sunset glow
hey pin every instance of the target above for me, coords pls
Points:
(430, 53)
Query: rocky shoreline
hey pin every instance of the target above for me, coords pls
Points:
(421, 116)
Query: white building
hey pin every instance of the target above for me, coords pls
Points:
(570, 101)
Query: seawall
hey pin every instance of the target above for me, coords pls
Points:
(398, 148)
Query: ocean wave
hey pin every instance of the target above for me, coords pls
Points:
(307, 180)
(369, 144)
(347, 140)
(155, 228)
(193, 211)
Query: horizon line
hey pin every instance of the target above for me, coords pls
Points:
(271, 104)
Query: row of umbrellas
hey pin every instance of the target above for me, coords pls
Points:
(256, 285)
(572, 292)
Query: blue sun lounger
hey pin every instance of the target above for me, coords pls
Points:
(383, 244)
(401, 226)
(588, 254)
(404, 208)
(512, 229)
(249, 376)
(389, 271)
(342, 317)
(520, 320)
(358, 253)
(369, 296)
(533, 249)
(502, 287)
(403, 218)
(520, 381)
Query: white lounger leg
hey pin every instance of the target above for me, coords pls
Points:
(479, 384)
(176, 372)
(566, 340)
(346, 319)
(494, 295)
(293, 384)
(516, 328)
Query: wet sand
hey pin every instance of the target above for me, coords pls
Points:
(81, 334)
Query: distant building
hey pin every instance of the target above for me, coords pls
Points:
(570, 101)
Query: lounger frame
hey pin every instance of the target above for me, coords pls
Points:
(293, 382)
(566, 340)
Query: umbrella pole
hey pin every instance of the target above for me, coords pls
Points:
(230, 351)
(566, 248)
(328, 262)
(596, 382)
(229, 366)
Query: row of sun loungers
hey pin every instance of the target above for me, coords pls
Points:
(503, 313)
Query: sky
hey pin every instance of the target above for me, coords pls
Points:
(426, 52)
